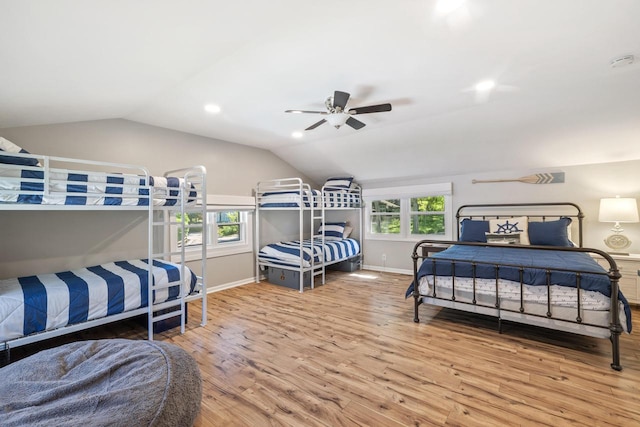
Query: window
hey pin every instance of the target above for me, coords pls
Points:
(228, 232)
(385, 216)
(427, 215)
(413, 212)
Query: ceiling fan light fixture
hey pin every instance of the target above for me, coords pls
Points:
(337, 119)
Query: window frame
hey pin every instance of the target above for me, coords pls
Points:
(405, 194)
(216, 204)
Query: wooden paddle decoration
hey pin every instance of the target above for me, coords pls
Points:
(539, 178)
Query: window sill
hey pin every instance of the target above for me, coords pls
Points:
(195, 255)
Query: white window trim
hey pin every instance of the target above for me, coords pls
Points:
(219, 203)
(405, 193)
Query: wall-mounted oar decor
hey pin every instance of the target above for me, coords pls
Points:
(538, 178)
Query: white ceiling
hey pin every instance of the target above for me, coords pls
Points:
(558, 100)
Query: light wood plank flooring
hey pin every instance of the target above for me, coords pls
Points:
(348, 353)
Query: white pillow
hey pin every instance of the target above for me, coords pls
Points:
(511, 225)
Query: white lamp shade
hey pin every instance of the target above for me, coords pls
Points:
(618, 209)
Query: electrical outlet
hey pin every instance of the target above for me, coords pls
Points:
(384, 257)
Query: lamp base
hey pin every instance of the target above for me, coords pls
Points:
(617, 242)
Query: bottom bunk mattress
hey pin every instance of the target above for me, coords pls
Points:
(45, 302)
(288, 253)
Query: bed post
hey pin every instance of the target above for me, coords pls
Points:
(416, 293)
(615, 326)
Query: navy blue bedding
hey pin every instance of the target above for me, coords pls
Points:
(534, 261)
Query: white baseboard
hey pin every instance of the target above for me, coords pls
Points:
(388, 270)
(218, 288)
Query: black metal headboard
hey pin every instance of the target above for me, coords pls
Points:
(541, 211)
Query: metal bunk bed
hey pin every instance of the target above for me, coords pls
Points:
(294, 195)
(47, 183)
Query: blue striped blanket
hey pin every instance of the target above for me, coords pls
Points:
(19, 184)
(44, 302)
(288, 253)
(291, 199)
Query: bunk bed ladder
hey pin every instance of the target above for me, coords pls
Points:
(164, 220)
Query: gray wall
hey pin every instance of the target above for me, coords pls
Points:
(584, 185)
(51, 241)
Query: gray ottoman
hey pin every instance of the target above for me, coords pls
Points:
(104, 382)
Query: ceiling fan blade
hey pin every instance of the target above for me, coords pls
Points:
(306, 112)
(356, 124)
(370, 109)
(340, 99)
(315, 125)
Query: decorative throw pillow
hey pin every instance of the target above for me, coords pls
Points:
(504, 238)
(338, 183)
(472, 230)
(332, 230)
(10, 147)
(511, 225)
(347, 231)
(550, 233)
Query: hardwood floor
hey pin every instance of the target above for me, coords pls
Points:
(348, 353)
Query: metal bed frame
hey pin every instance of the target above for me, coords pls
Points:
(158, 217)
(532, 210)
(315, 215)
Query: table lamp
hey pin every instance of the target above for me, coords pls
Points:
(618, 209)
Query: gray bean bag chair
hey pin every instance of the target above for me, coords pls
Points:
(104, 382)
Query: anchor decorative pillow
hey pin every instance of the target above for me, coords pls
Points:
(510, 226)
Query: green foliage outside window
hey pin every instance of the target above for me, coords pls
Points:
(193, 229)
(385, 216)
(425, 218)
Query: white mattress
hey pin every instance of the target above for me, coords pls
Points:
(594, 307)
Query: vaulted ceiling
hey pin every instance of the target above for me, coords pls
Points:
(557, 99)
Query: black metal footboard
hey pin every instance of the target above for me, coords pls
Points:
(492, 302)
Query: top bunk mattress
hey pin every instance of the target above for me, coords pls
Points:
(308, 199)
(34, 185)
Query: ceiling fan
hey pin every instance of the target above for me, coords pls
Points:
(337, 114)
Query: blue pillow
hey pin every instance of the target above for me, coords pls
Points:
(474, 230)
(550, 233)
(338, 183)
(332, 230)
(7, 146)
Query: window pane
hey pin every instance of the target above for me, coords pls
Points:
(427, 224)
(385, 224)
(227, 216)
(193, 233)
(381, 206)
(228, 233)
(427, 204)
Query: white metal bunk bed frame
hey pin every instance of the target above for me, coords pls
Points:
(315, 204)
(194, 180)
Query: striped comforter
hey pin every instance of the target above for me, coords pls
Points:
(48, 301)
(30, 185)
(291, 199)
(288, 253)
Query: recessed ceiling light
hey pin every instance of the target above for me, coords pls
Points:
(445, 7)
(297, 134)
(485, 85)
(212, 108)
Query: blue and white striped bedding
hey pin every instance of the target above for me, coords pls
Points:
(26, 185)
(291, 199)
(45, 302)
(288, 253)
